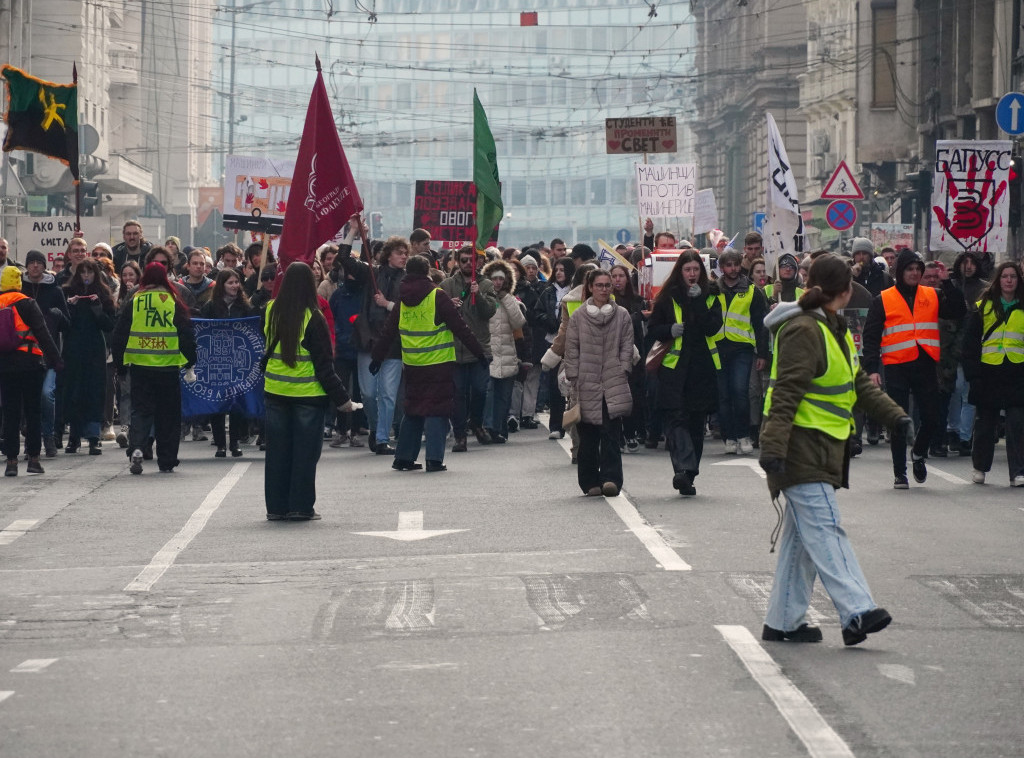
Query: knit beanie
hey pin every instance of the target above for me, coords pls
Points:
(34, 256)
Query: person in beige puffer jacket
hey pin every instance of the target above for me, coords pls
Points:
(598, 361)
(509, 318)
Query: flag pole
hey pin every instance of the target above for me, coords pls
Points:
(78, 182)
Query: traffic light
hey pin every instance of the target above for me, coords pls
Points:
(921, 186)
(90, 197)
(376, 225)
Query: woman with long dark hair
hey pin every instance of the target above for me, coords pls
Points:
(688, 315)
(228, 300)
(993, 362)
(85, 355)
(299, 381)
(634, 426)
(549, 318)
(805, 450)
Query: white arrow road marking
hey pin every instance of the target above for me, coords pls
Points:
(410, 529)
(6, 694)
(750, 463)
(898, 672)
(33, 665)
(803, 718)
(16, 529)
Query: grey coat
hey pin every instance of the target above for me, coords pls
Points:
(598, 360)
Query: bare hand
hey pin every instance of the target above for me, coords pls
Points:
(380, 300)
(457, 301)
(761, 364)
(876, 379)
(648, 226)
(943, 272)
(474, 288)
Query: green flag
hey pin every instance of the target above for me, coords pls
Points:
(41, 117)
(489, 208)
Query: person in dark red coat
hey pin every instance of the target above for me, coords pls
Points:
(429, 390)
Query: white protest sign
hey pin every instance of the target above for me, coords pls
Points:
(970, 196)
(666, 190)
(50, 235)
(256, 192)
(705, 212)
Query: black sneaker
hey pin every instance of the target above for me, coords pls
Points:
(873, 621)
(684, 484)
(937, 451)
(402, 465)
(964, 449)
(513, 425)
(920, 470)
(435, 466)
(901, 482)
(802, 633)
(302, 516)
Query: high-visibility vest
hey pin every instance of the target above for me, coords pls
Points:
(29, 343)
(153, 339)
(736, 324)
(769, 290)
(292, 381)
(1003, 341)
(424, 343)
(828, 405)
(672, 356)
(905, 331)
(572, 305)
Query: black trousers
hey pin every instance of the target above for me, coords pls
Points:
(156, 405)
(599, 458)
(555, 401)
(918, 378)
(22, 393)
(238, 428)
(986, 434)
(684, 438)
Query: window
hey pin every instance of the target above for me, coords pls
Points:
(883, 59)
(517, 192)
(558, 191)
(403, 193)
(579, 192)
(597, 191)
(460, 169)
(538, 192)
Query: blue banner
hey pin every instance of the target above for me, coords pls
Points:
(227, 369)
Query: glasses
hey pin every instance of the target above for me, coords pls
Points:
(601, 285)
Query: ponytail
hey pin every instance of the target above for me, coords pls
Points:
(813, 298)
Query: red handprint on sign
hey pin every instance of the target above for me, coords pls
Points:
(973, 209)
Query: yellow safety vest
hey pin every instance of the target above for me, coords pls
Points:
(572, 305)
(424, 343)
(291, 381)
(672, 356)
(736, 324)
(769, 290)
(153, 339)
(1005, 340)
(828, 405)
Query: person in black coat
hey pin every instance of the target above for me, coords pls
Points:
(688, 390)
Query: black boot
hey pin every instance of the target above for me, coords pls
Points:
(94, 446)
(73, 444)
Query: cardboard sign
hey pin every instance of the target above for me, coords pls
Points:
(448, 211)
(51, 234)
(256, 193)
(624, 136)
(705, 212)
(666, 190)
(899, 236)
(970, 196)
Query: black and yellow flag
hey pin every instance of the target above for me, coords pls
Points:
(41, 117)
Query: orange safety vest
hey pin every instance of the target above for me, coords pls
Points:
(904, 331)
(29, 343)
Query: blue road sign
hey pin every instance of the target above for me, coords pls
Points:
(841, 215)
(622, 236)
(1010, 113)
(758, 222)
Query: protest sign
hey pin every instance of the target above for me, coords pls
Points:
(666, 190)
(256, 192)
(640, 135)
(50, 235)
(705, 212)
(970, 196)
(899, 236)
(448, 211)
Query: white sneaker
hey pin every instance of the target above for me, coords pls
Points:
(556, 435)
(746, 447)
(730, 447)
(978, 477)
(136, 464)
(1018, 481)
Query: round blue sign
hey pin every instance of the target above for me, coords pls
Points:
(841, 215)
(622, 236)
(1010, 113)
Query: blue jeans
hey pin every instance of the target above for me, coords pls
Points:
(295, 437)
(411, 432)
(734, 393)
(813, 544)
(471, 380)
(49, 401)
(501, 402)
(961, 412)
(380, 393)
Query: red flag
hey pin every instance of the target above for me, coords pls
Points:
(323, 195)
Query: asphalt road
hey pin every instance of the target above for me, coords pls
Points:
(493, 611)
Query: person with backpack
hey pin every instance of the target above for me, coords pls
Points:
(25, 343)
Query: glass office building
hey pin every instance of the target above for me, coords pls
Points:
(402, 91)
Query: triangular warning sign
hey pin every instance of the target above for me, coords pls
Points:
(842, 185)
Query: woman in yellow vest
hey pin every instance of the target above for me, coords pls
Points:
(688, 314)
(815, 381)
(153, 336)
(426, 322)
(299, 380)
(993, 362)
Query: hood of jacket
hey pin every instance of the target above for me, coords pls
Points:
(904, 259)
(511, 278)
(413, 289)
(742, 284)
(782, 313)
(48, 278)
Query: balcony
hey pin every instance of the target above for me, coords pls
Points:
(124, 66)
(124, 176)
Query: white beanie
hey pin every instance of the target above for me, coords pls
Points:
(528, 260)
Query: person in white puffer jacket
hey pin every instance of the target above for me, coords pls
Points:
(508, 319)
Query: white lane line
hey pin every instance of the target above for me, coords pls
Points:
(803, 718)
(947, 476)
(168, 554)
(33, 665)
(16, 529)
(5, 695)
(667, 557)
(750, 463)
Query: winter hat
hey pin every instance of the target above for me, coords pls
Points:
(788, 260)
(34, 256)
(583, 252)
(175, 240)
(10, 279)
(528, 260)
(103, 246)
(862, 245)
